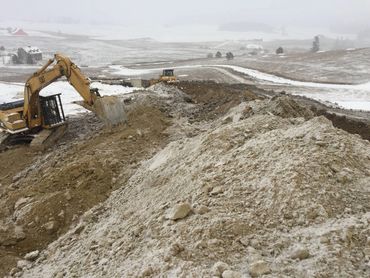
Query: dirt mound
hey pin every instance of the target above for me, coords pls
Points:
(354, 126)
(258, 195)
(215, 99)
(261, 188)
(282, 106)
(43, 194)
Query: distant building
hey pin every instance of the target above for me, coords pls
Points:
(18, 32)
(29, 55)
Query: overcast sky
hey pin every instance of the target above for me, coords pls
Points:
(307, 13)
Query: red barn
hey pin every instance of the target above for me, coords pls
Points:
(19, 32)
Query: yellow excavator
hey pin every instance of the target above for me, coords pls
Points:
(35, 113)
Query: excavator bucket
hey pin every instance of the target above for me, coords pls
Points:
(110, 109)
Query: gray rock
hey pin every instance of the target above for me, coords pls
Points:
(219, 268)
(50, 226)
(180, 211)
(300, 253)
(31, 256)
(217, 190)
(19, 233)
(231, 274)
(259, 268)
(23, 264)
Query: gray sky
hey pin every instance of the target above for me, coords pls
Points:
(309, 13)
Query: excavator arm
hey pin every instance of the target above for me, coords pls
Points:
(63, 66)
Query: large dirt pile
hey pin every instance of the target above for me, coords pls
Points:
(42, 194)
(258, 194)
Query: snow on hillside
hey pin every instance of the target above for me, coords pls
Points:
(347, 96)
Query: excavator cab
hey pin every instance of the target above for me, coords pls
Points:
(52, 111)
(168, 72)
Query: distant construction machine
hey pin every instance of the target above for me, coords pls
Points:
(168, 76)
(35, 113)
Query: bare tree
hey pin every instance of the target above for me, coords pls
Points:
(218, 54)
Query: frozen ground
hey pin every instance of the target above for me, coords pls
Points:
(14, 91)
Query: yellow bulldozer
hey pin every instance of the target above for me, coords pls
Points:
(167, 76)
(35, 113)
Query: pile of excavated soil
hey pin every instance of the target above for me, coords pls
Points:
(354, 126)
(215, 99)
(42, 194)
(254, 194)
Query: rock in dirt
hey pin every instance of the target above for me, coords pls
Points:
(217, 190)
(259, 268)
(23, 264)
(300, 253)
(231, 274)
(50, 226)
(219, 268)
(31, 256)
(19, 234)
(179, 211)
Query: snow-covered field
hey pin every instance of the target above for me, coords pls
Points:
(14, 91)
